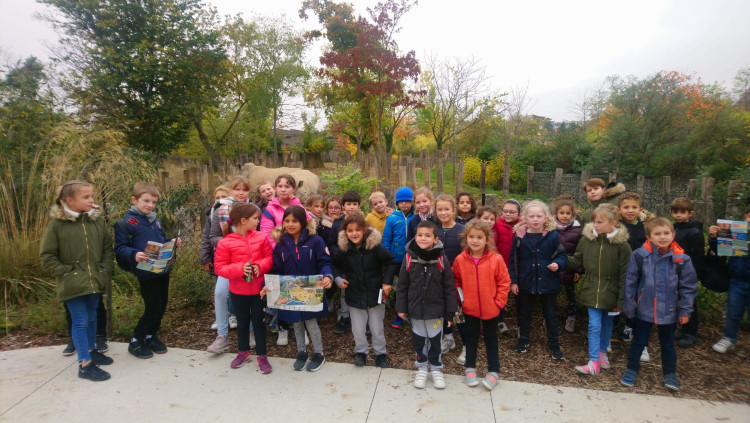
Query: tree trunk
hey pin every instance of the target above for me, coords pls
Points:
(506, 175)
(275, 144)
(215, 156)
(439, 169)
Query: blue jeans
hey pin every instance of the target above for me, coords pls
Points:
(738, 299)
(641, 333)
(83, 331)
(222, 304)
(600, 330)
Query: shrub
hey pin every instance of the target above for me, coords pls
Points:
(346, 178)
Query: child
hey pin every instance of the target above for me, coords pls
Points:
(482, 276)
(660, 289)
(569, 230)
(449, 233)
(597, 194)
(487, 215)
(380, 212)
(300, 252)
(240, 188)
(503, 231)
(265, 195)
(427, 293)
(467, 207)
(689, 236)
(142, 226)
(603, 252)
(366, 270)
(243, 257)
(351, 201)
(535, 258)
(77, 250)
(423, 210)
(334, 210)
(738, 295)
(394, 234)
(314, 206)
(271, 219)
(207, 249)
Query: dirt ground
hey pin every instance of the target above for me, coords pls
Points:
(703, 374)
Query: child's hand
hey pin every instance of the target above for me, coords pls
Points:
(713, 231)
(576, 277)
(178, 242)
(207, 267)
(247, 268)
(402, 315)
(141, 256)
(344, 284)
(448, 323)
(684, 320)
(514, 288)
(263, 292)
(326, 282)
(387, 289)
(256, 270)
(553, 267)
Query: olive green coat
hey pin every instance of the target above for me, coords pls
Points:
(605, 259)
(610, 195)
(78, 252)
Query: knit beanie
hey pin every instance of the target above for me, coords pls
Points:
(404, 194)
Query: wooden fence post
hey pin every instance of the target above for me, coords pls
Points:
(460, 178)
(692, 189)
(734, 206)
(411, 170)
(666, 195)
(612, 176)
(426, 168)
(640, 184)
(707, 197)
(529, 180)
(402, 175)
(558, 181)
(585, 176)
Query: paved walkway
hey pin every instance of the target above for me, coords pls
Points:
(40, 385)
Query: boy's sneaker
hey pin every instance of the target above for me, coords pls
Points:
(628, 378)
(438, 381)
(592, 368)
(725, 344)
(264, 365)
(342, 325)
(100, 359)
(381, 360)
(233, 322)
(70, 349)
(398, 322)
(360, 359)
(462, 357)
(316, 362)
(283, 337)
(471, 376)
(557, 354)
(299, 364)
(420, 379)
(214, 325)
(252, 339)
(670, 382)
(242, 357)
(522, 347)
(626, 334)
(604, 361)
(490, 381)
(93, 373)
(139, 349)
(220, 345)
(570, 324)
(155, 345)
(687, 341)
(502, 329)
(645, 358)
(101, 344)
(447, 344)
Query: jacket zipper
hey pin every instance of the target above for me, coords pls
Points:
(476, 266)
(88, 260)
(599, 284)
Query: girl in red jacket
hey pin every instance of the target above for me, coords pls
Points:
(483, 282)
(243, 256)
(510, 213)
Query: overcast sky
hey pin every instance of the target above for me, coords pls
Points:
(558, 48)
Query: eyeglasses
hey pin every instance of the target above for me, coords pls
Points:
(510, 212)
(334, 208)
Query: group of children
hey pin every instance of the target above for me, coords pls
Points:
(439, 260)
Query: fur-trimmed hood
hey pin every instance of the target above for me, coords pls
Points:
(522, 227)
(63, 213)
(645, 215)
(616, 190)
(618, 236)
(312, 229)
(372, 238)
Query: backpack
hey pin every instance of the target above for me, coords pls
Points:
(715, 275)
(124, 265)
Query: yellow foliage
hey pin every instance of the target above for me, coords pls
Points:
(473, 170)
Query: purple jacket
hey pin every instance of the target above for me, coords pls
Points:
(570, 234)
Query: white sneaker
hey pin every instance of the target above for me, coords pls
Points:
(252, 339)
(437, 379)
(447, 344)
(462, 357)
(233, 322)
(644, 355)
(219, 345)
(214, 325)
(283, 337)
(502, 328)
(420, 379)
(725, 344)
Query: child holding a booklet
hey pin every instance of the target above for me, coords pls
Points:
(132, 238)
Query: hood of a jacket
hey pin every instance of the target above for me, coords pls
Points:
(63, 213)
(563, 227)
(278, 233)
(618, 236)
(372, 238)
(618, 189)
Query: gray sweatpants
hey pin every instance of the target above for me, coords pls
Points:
(426, 340)
(360, 319)
(344, 309)
(315, 336)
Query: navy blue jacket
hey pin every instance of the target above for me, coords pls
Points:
(308, 257)
(451, 241)
(141, 232)
(528, 265)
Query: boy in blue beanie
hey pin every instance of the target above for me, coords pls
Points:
(394, 233)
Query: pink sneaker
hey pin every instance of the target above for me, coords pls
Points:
(242, 357)
(604, 360)
(264, 365)
(592, 368)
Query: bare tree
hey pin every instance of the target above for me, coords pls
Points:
(517, 128)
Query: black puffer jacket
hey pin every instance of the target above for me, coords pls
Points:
(689, 236)
(424, 291)
(366, 268)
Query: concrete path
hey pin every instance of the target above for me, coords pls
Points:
(40, 385)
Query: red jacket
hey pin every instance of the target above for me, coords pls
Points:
(503, 237)
(233, 251)
(485, 285)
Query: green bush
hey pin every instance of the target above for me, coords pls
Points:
(346, 178)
